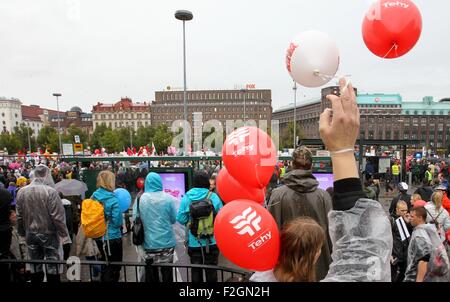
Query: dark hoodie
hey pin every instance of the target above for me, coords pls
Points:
(301, 197)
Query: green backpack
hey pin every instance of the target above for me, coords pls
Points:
(202, 215)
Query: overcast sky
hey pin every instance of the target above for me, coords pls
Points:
(101, 50)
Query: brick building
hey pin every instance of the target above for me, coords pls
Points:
(221, 105)
(122, 114)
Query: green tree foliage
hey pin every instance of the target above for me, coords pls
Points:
(287, 135)
(110, 141)
(72, 131)
(162, 138)
(22, 133)
(48, 139)
(144, 136)
(10, 142)
(99, 132)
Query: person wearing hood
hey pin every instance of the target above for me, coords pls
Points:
(41, 220)
(301, 197)
(425, 262)
(201, 251)
(157, 213)
(110, 245)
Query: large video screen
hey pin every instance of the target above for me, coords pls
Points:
(174, 184)
(325, 180)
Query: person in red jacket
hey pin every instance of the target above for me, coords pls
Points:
(445, 199)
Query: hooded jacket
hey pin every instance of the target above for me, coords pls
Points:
(112, 212)
(157, 212)
(424, 244)
(300, 196)
(40, 210)
(183, 215)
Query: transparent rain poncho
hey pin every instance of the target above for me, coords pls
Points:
(41, 218)
(362, 244)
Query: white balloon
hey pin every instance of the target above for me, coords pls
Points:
(312, 59)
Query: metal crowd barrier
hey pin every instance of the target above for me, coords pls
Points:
(129, 271)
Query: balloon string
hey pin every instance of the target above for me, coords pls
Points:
(395, 46)
(330, 77)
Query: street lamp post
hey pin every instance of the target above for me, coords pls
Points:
(295, 114)
(244, 91)
(29, 141)
(184, 15)
(59, 126)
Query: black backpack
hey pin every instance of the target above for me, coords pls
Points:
(202, 212)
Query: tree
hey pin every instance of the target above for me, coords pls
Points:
(162, 138)
(144, 136)
(10, 142)
(48, 139)
(287, 135)
(97, 136)
(72, 131)
(448, 148)
(22, 133)
(125, 136)
(110, 141)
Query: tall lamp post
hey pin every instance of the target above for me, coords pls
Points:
(59, 125)
(295, 114)
(244, 92)
(184, 15)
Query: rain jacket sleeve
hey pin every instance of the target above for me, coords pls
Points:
(58, 215)
(20, 221)
(183, 212)
(113, 213)
(361, 235)
(172, 211)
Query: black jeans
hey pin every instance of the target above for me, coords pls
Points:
(111, 273)
(211, 258)
(156, 257)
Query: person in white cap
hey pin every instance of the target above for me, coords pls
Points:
(403, 189)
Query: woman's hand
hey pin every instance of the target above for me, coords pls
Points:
(339, 127)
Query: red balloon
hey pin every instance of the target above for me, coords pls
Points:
(250, 156)
(247, 235)
(140, 183)
(392, 28)
(230, 189)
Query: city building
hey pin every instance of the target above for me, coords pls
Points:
(75, 116)
(383, 117)
(36, 117)
(123, 114)
(10, 114)
(221, 105)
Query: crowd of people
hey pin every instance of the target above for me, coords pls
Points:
(339, 234)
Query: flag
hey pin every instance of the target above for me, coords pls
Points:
(153, 149)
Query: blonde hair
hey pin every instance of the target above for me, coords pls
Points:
(300, 241)
(416, 197)
(436, 198)
(106, 180)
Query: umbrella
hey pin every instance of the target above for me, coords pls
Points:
(71, 187)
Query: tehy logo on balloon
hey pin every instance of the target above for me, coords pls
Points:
(247, 234)
(396, 4)
(246, 221)
(289, 53)
(237, 139)
(249, 224)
